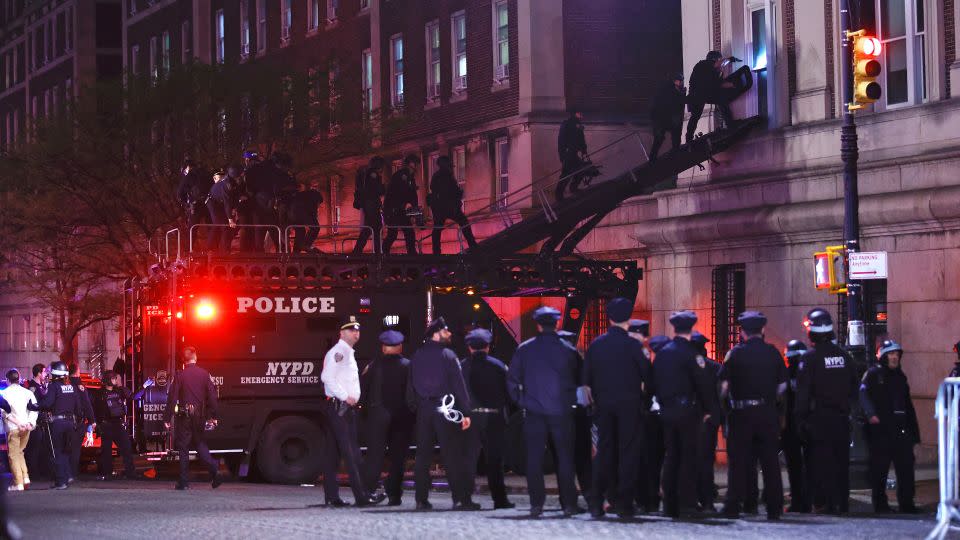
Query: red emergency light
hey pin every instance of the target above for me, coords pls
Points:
(205, 310)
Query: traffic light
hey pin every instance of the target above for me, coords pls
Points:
(828, 270)
(866, 69)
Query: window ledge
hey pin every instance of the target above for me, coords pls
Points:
(457, 97)
(313, 31)
(432, 103)
(332, 23)
(499, 86)
(364, 11)
(285, 42)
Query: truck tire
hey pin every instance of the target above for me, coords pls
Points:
(291, 451)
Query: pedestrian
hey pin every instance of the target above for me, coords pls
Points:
(367, 197)
(616, 371)
(826, 385)
(20, 423)
(192, 399)
(666, 114)
(753, 380)
(572, 148)
(892, 428)
(84, 424)
(708, 85)
(387, 417)
(400, 198)
(795, 451)
(486, 380)
(63, 403)
(543, 381)
(681, 388)
(446, 203)
(111, 406)
(439, 396)
(707, 438)
(304, 205)
(341, 385)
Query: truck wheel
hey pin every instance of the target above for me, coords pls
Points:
(291, 451)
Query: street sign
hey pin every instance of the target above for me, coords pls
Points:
(868, 265)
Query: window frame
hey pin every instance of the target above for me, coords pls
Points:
(154, 59)
(433, 60)
(459, 158)
(186, 41)
(332, 7)
(261, 26)
(397, 82)
(245, 30)
(459, 81)
(286, 21)
(220, 37)
(502, 174)
(135, 59)
(501, 70)
(366, 81)
(165, 46)
(917, 71)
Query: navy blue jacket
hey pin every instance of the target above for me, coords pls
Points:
(754, 369)
(192, 386)
(486, 379)
(678, 377)
(615, 368)
(434, 373)
(543, 375)
(826, 381)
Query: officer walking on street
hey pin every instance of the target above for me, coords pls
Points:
(826, 385)
(341, 384)
(86, 421)
(543, 381)
(367, 198)
(65, 407)
(707, 438)
(387, 417)
(892, 428)
(616, 370)
(110, 405)
(753, 379)
(192, 398)
(795, 451)
(666, 114)
(486, 380)
(401, 197)
(681, 388)
(439, 395)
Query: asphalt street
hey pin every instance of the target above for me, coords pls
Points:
(152, 509)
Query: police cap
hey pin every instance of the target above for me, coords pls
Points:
(752, 321)
(391, 338)
(619, 310)
(350, 323)
(546, 316)
(795, 347)
(683, 321)
(658, 342)
(435, 326)
(478, 338)
(699, 339)
(639, 326)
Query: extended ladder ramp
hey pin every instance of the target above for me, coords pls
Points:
(567, 222)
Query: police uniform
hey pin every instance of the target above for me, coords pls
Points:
(572, 147)
(666, 114)
(681, 390)
(303, 211)
(110, 406)
(192, 194)
(707, 436)
(753, 375)
(543, 381)
(193, 398)
(615, 370)
(371, 209)
(65, 407)
(582, 426)
(446, 203)
(795, 451)
(388, 421)
(654, 449)
(435, 374)
(486, 380)
(341, 381)
(401, 193)
(87, 417)
(826, 385)
(885, 395)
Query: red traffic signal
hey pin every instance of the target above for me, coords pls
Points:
(867, 46)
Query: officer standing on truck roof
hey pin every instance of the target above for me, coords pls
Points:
(439, 395)
(193, 398)
(387, 418)
(341, 384)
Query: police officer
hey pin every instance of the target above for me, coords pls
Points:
(341, 384)
(655, 449)
(193, 399)
(615, 370)
(708, 85)
(244, 210)
(572, 147)
(218, 207)
(439, 395)
(110, 406)
(303, 215)
(707, 438)
(826, 385)
(543, 381)
(37, 454)
(682, 390)
(272, 187)
(892, 428)
(753, 379)
(401, 196)
(62, 402)
(367, 198)
(446, 203)
(486, 380)
(192, 193)
(85, 422)
(666, 114)
(795, 451)
(955, 372)
(582, 425)
(387, 418)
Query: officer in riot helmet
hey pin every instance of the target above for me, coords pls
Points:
(192, 399)
(892, 428)
(826, 385)
(192, 193)
(64, 406)
(796, 452)
(111, 407)
(401, 199)
(368, 198)
(446, 203)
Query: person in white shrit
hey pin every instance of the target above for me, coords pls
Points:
(19, 423)
(341, 384)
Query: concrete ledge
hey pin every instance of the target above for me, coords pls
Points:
(809, 105)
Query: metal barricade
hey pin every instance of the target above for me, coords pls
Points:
(331, 236)
(423, 239)
(266, 228)
(948, 430)
(167, 243)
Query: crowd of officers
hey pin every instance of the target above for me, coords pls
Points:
(655, 405)
(262, 197)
